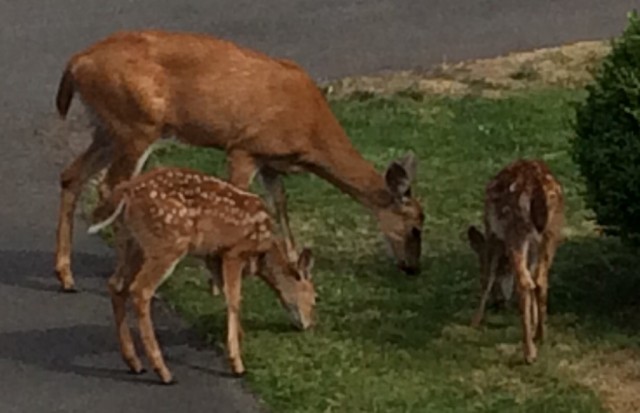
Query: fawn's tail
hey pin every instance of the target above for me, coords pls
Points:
(119, 195)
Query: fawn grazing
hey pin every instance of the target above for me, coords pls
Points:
(267, 115)
(168, 213)
(523, 218)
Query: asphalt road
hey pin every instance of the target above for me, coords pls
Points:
(58, 353)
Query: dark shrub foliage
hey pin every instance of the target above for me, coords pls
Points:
(607, 142)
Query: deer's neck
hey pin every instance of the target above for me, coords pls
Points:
(344, 167)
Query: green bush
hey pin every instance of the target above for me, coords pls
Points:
(607, 137)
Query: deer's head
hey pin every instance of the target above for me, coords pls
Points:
(401, 221)
(293, 283)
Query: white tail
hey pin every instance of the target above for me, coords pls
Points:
(101, 225)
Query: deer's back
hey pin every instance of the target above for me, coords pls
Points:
(181, 206)
(206, 90)
(524, 198)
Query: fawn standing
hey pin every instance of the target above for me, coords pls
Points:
(267, 115)
(523, 218)
(171, 212)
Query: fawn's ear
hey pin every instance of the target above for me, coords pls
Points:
(305, 263)
(410, 164)
(476, 239)
(399, 175)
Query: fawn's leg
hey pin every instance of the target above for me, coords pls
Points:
(155, 269)
(241, 169)
(526, 287)
(214, 265)
(490, 276)
(277, 199)
(119, 291)
(232, 274)
(547, 253)
(72, 179)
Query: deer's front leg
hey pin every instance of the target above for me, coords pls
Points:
(232, 274)
(277, 198)
(214, 265)
(526, 289)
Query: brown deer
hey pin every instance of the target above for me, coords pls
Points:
(523, 218)
(168, 213)
(267, 115)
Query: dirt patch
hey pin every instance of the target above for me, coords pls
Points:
(564, 66)
(614, 376)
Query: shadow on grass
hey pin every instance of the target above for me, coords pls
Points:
(596, 280)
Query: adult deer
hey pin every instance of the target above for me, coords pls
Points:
(523, 218)
(266, 114)
(172, 212)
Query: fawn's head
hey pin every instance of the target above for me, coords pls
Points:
(292, 282)
(401, 222)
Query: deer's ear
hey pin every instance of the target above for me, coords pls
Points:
(398, 181)
(410, 164)
(305, 263)
(476, 239)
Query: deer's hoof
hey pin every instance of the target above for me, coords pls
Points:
(165, 377)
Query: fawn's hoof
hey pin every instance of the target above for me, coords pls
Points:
(237, 368)
(67, 285)
(165, 376)
(476, 320)
(171, 382)
(531, 356)
(137, 372)
(68, 290)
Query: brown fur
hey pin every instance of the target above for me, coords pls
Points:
(171, 212)
(523, 218)
(266, 114)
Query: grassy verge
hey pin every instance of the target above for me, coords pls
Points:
(390, 343)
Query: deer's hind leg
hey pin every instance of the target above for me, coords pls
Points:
(545, 260)
(95, 158)
(526, 288)
(131, 151)
(232, 273)
(277, 197)
(119, 290)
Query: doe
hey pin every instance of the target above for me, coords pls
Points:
(266, 114)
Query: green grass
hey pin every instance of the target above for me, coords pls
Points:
(390, 343)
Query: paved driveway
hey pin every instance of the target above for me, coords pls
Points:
(58, 352)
